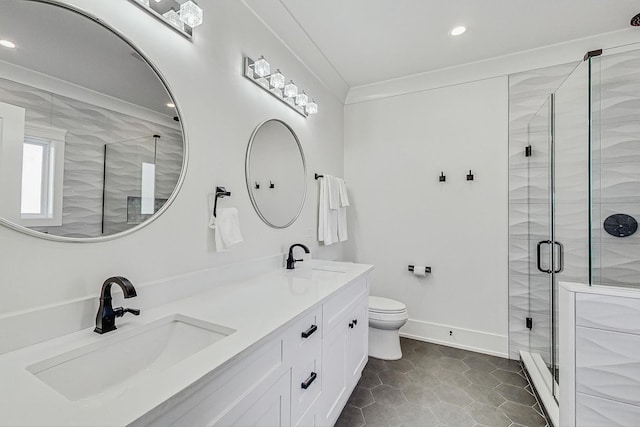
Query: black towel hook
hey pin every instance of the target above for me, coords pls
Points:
(221, 192)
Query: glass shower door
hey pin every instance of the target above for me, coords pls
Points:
(570, 183)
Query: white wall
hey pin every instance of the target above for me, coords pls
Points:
(395, 149)
(220, 110)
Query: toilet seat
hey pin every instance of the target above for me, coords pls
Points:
(386, 306)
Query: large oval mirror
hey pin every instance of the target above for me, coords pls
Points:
(91, 145)
(276, 173)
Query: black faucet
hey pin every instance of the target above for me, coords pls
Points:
(106, 317)
(291, 262)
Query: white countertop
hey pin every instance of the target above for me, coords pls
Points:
(255, 308)
(614, 291)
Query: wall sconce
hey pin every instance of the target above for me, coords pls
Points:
(259, 72)
(181, 15)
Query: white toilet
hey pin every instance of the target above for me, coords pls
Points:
(386, 317)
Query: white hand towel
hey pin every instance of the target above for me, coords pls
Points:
(334, 191)
(342, 224)
(327, 217)
(227, 228)
(344, 197)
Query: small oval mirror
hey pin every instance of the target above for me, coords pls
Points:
(91, 145)
(276, 171)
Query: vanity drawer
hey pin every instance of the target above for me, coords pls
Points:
(215, 397)
(608, 312)
(335, 308)
(607, 364)
(596, 412)
(305, 332)
(308, 370)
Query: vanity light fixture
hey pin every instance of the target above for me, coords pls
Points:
(8, 44)
(456, 31)
(182, 15)
(259, 72)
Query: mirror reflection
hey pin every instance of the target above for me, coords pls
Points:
(90, 141)
(275, 173)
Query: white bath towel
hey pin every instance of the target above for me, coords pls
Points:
(227, 228)
(344, 197)
(334, 191)
(327, 217)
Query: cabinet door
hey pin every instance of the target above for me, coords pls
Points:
(334, 387)
(357, 342)
(271, 407)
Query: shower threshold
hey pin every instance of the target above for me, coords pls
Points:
(541, 379)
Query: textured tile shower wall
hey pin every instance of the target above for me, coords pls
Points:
(89, 128)
(529, 290)
(616, 165)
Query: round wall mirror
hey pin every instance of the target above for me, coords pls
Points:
(91, 144)
(276, 173)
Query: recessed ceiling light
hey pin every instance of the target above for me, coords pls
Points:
(457, 31)
(7, 44)
(171, 105)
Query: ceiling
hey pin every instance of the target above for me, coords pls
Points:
(369, 41)
(67, 46)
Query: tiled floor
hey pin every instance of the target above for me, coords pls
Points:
(433, 385)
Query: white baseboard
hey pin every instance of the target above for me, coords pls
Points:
(466, 339)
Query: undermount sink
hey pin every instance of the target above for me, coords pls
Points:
(119, 360)
(320, 266)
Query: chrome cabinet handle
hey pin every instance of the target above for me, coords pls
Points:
(305, 385)
(560, 257)
(310, 331)
(539, 259)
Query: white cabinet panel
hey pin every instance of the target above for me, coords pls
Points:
(268, 406)
(608, 365)
(334, 384)
(358, 339)
(307, 370)
(334, 309)
(608, 312)
(595, 412)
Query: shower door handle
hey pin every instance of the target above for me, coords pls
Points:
(539, 259)
(560, 257)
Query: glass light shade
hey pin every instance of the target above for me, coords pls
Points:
(173, 18)
(291, 101)
(302, 99)
(291, 90)
(263, 82)
(312, 108)
(277, 92)
(261, 67)
(277, 80)
(191, 14)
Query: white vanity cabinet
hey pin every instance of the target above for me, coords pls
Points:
(302, 376)
(345, 348)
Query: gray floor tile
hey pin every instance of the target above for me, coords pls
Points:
(412, 415)
(516, 394)
(488, 415)
(522, 414)
(360, 398)
(511, 378)
(424, 378)
(433, 385)
(420, 395)
(452, 415)
(481, 378)
(452, 394)
(485, 395)
(350, 417)
(389, 396)
(369, 379)
(452, 364)
(394, 378)
(453, 378)
(379, 414)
